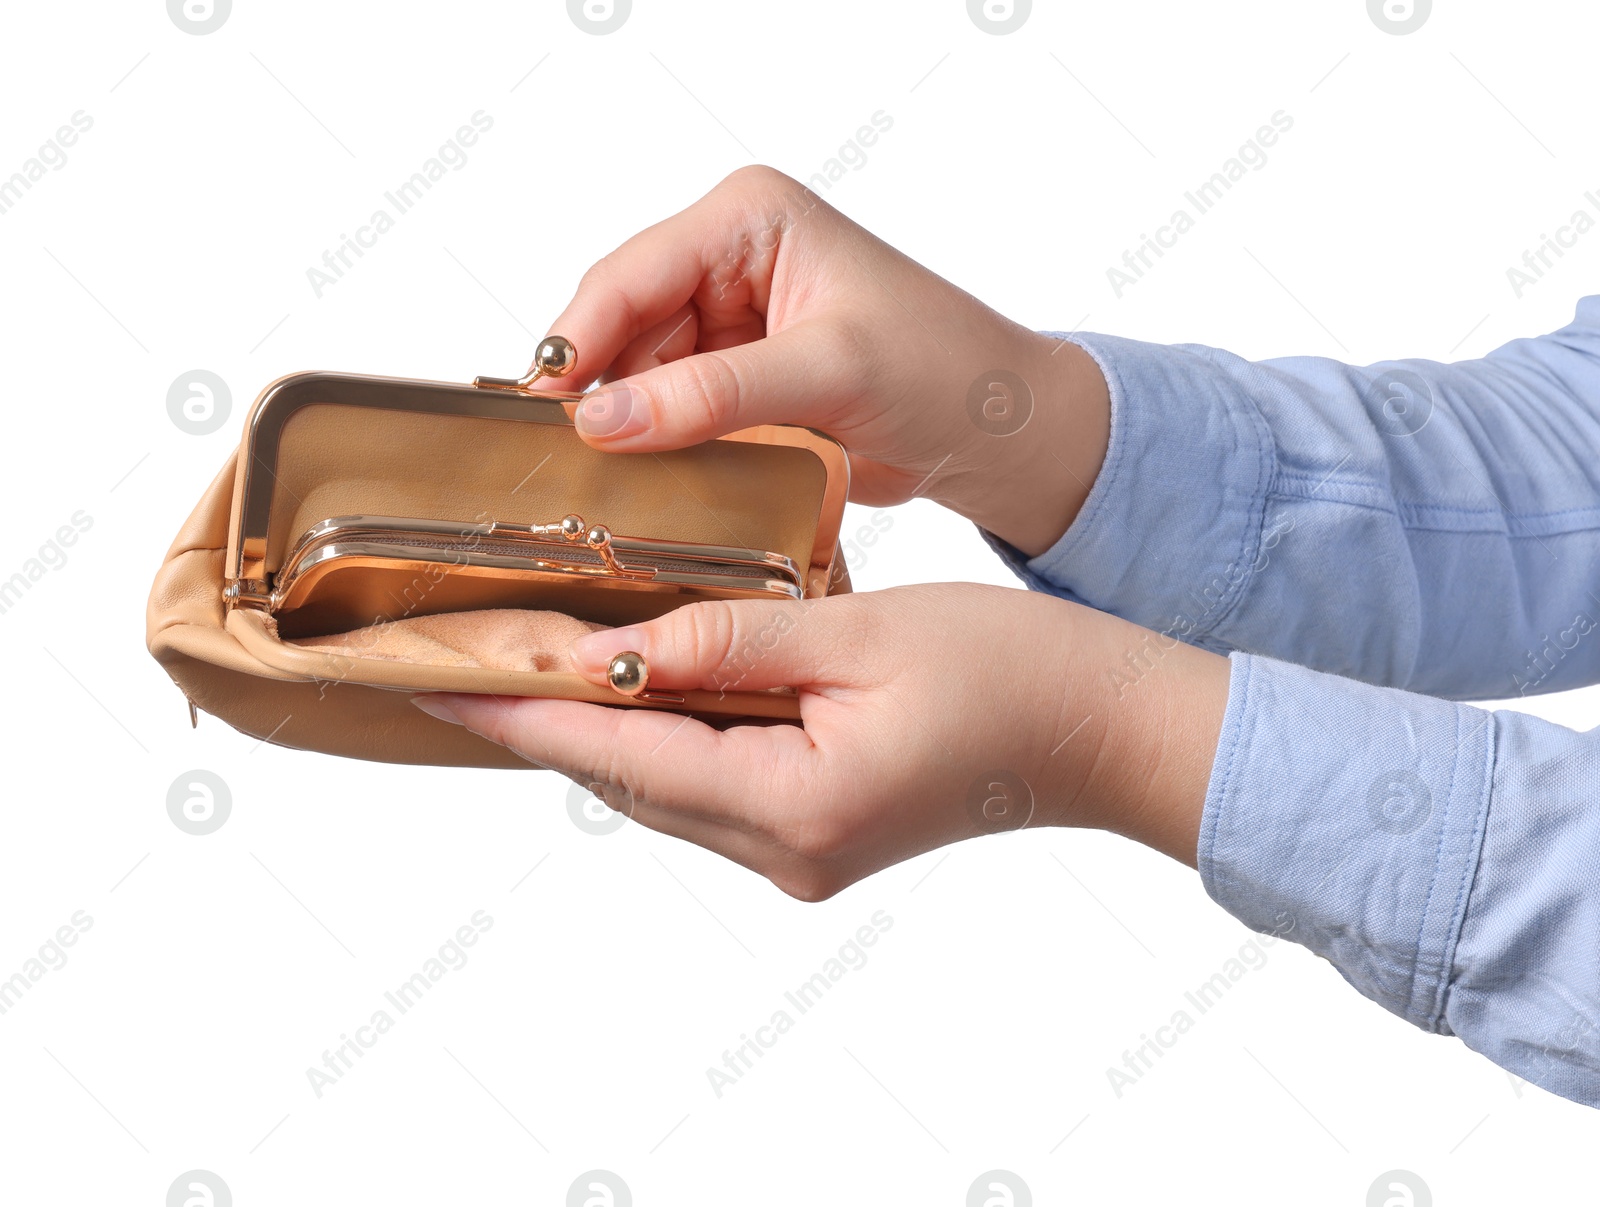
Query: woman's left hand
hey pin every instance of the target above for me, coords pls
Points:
(930, 714)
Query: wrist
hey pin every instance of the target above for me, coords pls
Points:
(1162, 751)
(1041, 447)
(1151, 710)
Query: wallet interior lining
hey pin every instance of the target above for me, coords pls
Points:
(336, 460)
(508, 639)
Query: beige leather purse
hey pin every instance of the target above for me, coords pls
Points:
(376, 537)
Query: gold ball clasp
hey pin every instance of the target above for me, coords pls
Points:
(628, 673)
(555, 356)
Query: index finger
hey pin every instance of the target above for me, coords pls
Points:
(675, 763)
(653, 275)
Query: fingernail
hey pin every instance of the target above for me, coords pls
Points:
(593, 651)
(436, 709)
(611, 413)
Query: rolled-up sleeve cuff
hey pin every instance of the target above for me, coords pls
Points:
(1174, 520)
(1350, 819)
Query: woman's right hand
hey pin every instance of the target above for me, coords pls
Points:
(761, 303)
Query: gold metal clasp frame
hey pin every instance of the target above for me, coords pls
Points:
(554, 358)
(258, 547)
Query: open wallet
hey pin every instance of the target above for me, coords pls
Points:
(376, 537)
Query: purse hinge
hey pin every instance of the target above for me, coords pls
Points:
(247, 592)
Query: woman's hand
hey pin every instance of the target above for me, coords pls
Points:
(931, 714)
(760, 303)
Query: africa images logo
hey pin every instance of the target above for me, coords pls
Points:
(199, 16)
(999, 16)
(599, 16)
(1399, 16)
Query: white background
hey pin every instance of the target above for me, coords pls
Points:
(1018, 968)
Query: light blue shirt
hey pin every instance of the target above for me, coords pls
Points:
(1413, 533)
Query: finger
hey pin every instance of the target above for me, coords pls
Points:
(701, 253)
(670, 339)
(670, 762)
(795, 874)
(622, 296)
(805, 375)
(767, 856)
(746, 645)
(747, 849)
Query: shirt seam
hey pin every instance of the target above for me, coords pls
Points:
(1294, 477)
(1438, 868)
(1110, 475)
(1406, 514)
(1255, 519)
(1244, 666)
(1469, 876)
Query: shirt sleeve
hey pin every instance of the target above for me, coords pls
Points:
(1442, 857)
(1413, 524)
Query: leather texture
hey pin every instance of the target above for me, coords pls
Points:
(340, 461)
(516, 639)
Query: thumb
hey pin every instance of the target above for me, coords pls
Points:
(798, 376)
(746, 645)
